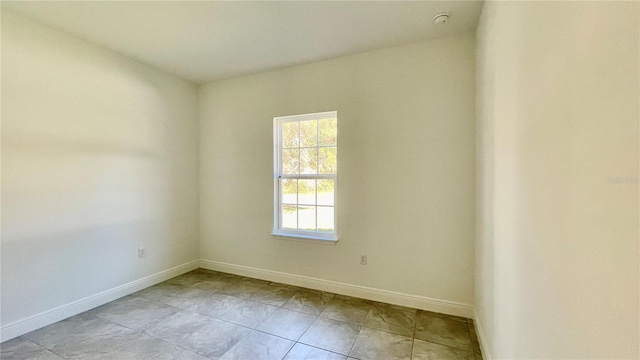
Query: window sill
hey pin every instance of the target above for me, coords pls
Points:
(328, 240)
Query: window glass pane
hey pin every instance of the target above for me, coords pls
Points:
(307, 218)
(328, 132)
(325, 192)
(290, 134)
(328, 161)
(289, 217)
(289, 191)
(325, 219)
(309, 161)
(307, 192)
(308, 133)
(290, 161)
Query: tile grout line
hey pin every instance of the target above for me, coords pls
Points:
(87, 339)
(229, 322)
(262, 287)
(153, 337)
(49, 350)
(317, 316)
(413, 338)
(319, 348)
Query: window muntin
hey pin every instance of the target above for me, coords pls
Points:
(305, 168)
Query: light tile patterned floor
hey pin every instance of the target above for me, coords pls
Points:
(211, 315)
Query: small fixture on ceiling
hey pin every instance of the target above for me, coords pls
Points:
(441, 18)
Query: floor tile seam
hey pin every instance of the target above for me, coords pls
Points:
(182, 347)
(237, 342)
(278, 336)
(366, 316)
(25, 339)
(262, 302)
(342, 321)
(354, 324)
(230, 322)
(141, 332)
(354, 342)
(206, 315)
(263, 320)
(93, 337)
(410, 326)
(302, 312)
(158, 302)
(176, 345)
(369, 314)
(276, 283)
(309, 327)
(305, 330)
(386, 331)
(87, 339)
(178, 310)
(449, 346)
(44, 348)
(317, 347)
(54, 353)
(146, 326)
(291, 297)
(413, 343)
(288, 351)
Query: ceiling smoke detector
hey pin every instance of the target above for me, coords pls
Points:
(441, 18)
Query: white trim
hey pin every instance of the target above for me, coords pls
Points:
(278, 176)
(481, 339)
(23, 326)
(305, 240)
(301, 235)
(311, 116)
(311, 237)
(391, 297)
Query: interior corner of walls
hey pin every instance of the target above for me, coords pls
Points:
(480, 331)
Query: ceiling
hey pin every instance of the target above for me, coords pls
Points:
(206, 41)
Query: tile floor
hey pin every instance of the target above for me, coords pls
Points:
(211, 315)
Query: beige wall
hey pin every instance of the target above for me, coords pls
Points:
(99, 157)
(406, 168)
(557, 237)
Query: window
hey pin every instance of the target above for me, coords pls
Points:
(305, 167)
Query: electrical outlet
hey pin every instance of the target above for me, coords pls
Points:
(363, 259)
(141, 252)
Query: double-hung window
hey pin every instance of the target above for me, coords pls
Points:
(306, 170)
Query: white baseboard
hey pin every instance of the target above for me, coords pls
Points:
(48, 317)
(414, 301)
(481, 339)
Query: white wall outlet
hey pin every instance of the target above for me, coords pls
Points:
(141, 252)
(363, 259)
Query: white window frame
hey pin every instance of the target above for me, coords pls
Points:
(277, 166)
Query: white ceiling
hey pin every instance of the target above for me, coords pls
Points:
(207, 41)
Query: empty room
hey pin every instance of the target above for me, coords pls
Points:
(339, 180)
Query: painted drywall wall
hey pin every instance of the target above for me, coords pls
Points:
(406, 168)
(99, 157)
(557, 230)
